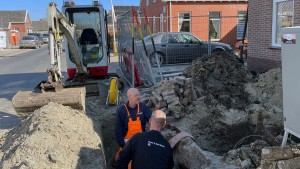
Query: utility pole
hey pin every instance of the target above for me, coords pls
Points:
(113, 16)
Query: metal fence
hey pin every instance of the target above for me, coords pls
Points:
(178, 41)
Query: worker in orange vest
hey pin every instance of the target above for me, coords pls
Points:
(131, 118)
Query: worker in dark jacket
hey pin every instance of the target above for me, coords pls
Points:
(131, 118)
(148, 150)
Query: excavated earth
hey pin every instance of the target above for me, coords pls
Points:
(230, 113)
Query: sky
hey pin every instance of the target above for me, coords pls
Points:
(37, 8)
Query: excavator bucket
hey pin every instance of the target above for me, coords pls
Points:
(25, 102)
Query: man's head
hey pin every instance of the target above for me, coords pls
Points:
(133, 96)
(158, 120)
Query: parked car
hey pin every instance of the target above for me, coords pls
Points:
(39, 35)
(29, 41)
(179, 47)
(45, 37)
(238, 47)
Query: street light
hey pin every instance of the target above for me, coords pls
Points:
(114, 33)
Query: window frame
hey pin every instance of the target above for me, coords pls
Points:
(274, 20)
(147, 2)
(215, 19)
(239, 19)
(154, 24)
(161, 22)
(190, 20)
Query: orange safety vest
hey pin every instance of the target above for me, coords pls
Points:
(133, 126)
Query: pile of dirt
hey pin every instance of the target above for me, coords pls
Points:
(54, 136)
(222, 78)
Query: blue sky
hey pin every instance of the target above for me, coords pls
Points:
(37, 8)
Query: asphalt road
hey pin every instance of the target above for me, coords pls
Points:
(19, 70)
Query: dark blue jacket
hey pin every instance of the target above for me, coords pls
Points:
(121, 125)
(149, 150)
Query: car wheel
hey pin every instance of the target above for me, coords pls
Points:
(20, 47)
(217, 50)
(153, 60)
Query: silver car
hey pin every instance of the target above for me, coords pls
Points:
(179, 47)
(29, 41)
(45, 38)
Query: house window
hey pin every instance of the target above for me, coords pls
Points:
(283, 14)
(164, 9)
(154, 1)
(154, 24)
(161, 22)
(241, 18)
(214, 25)
(184, 22)
(147, 2)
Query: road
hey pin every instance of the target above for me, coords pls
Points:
(19, 70)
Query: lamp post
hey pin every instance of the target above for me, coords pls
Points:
(114, 33)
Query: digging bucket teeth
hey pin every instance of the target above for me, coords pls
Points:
(26, 102)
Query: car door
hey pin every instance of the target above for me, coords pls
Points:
(195, 47)
(190, 47)
(175, 51)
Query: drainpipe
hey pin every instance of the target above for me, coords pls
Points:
(170, 15)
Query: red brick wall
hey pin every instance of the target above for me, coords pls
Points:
(199, 12)
(154, 9)
(261, 55)
(20, 26)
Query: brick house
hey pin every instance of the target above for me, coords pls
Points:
(16, 24)
(265, 20)
(217, 18)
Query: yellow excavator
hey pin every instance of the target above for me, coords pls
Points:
(81, 30)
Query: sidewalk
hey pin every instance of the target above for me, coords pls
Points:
(10, 52)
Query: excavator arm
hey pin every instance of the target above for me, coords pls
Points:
(58, 24)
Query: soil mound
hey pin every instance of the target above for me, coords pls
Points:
(222, 78)
(54, 136)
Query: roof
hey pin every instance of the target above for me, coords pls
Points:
(41, 25)
(206, 0)
(7, 17)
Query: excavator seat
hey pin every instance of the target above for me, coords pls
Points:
(88, 36)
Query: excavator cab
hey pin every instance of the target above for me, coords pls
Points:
(91, 37)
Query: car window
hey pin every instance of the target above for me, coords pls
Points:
(147, 38)
(164, 39)
(187, 38)
(173, 38)
(28, 38)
